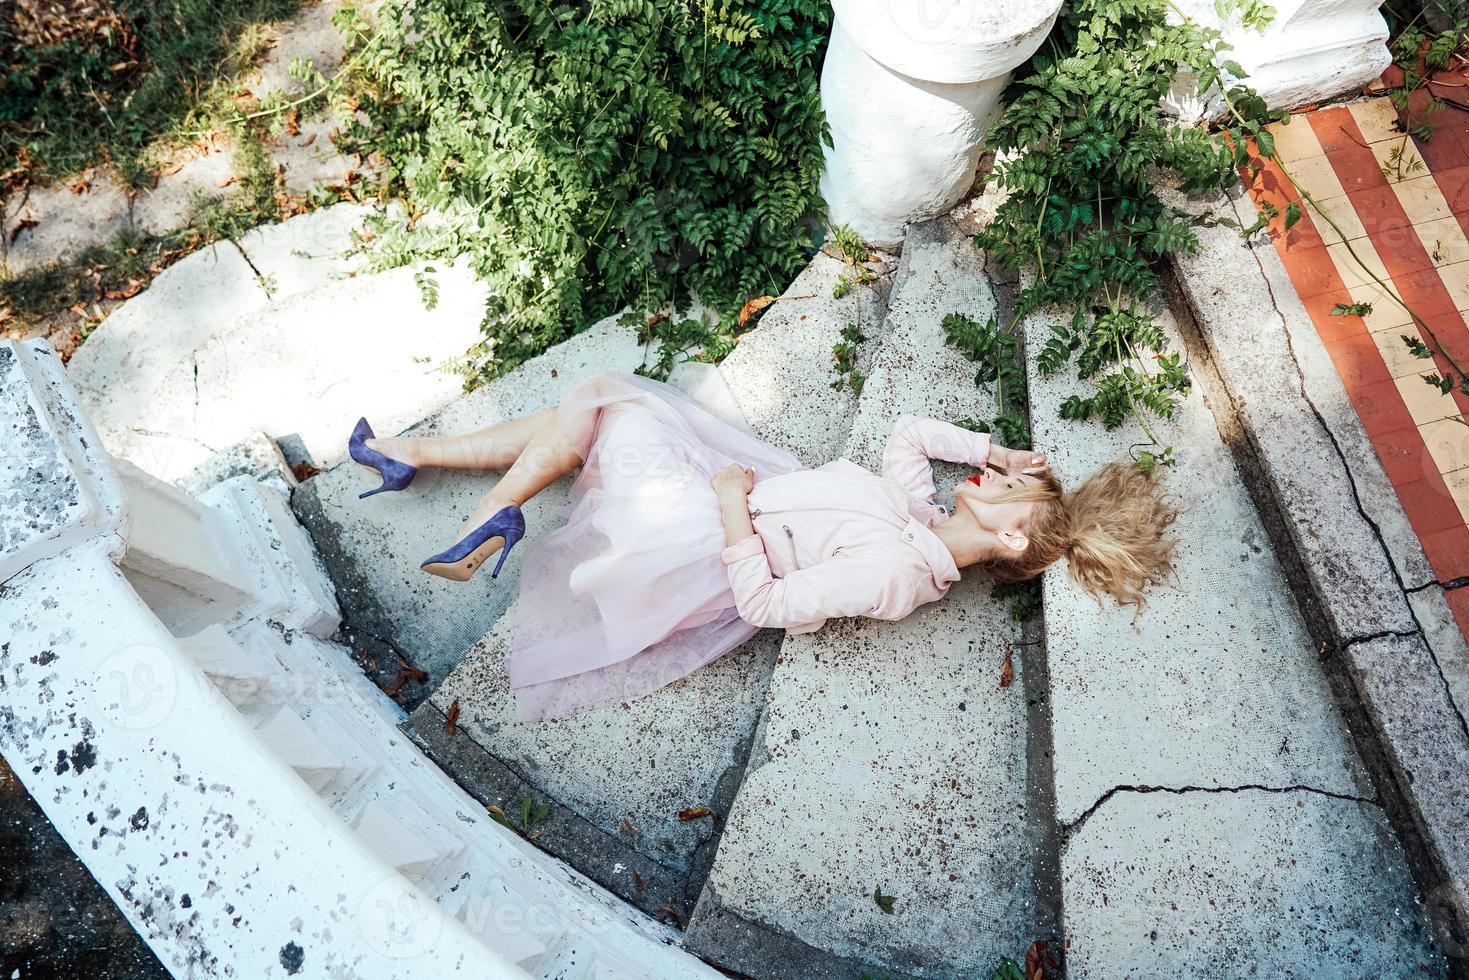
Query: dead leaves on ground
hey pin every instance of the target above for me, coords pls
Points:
(754, 306)
(1007, 669)
(695, 813)
(451, 721)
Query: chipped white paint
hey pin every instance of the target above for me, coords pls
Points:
(1312, 51)
(244, 793)
(909, 88)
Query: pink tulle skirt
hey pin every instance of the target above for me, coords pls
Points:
(631, 594)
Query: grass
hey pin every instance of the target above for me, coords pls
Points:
(115, 89)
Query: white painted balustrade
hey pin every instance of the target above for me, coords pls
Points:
(910, 88)
(170, 698)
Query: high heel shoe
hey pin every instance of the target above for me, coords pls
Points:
(501, 531)
(395, 475)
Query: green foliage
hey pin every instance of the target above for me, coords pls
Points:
(1351, 309)
(590, 157)
(1007, 970)
(109, 88)
(996, 352)
(884, 902)
(523, 818)
(1085, 141)
(845, 353)
(1024, 597)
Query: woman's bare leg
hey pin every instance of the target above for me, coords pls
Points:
(495, 448)
(544, 459)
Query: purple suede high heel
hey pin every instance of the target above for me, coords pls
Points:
(395, 475)
(502, 531)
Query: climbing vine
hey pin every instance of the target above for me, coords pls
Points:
(586, 157)
(1082, 142)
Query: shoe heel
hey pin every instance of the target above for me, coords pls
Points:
(510, 542)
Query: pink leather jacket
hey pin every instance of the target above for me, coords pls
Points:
(841, 541)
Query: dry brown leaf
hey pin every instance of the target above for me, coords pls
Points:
(81, 185)
(451, 720)
(5, 313)
(497, 811)
(21, 226)
(754, 306)
(1007, 669)
(667, 910)
(627, 827)
(637, 881)
(1037, 959)
(310, 138)
(695, 813)
(231, 179)
(292, 124)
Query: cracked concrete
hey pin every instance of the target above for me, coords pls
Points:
(1371, 596)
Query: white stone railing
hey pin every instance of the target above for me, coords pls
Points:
(169, 697)
(910, 88)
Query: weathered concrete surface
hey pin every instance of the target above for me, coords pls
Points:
(889, 756)
(65, 222)
(628, 769)
(373, 547)
(1245, 883)
(781, 373)
(256, 456)
(1217, 682)
(209, 355)
(194, 176)
(1405, 663)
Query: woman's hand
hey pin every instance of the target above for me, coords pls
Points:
(1014, 462)
(733, 480)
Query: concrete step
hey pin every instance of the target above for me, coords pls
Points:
(889, 756)
(618, 777)
(372, 548)
(782, 373)
(1216, 816)
(272, 334)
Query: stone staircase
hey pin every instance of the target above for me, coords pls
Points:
(1178, 795)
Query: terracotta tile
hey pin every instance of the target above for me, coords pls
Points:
(1456, 281)
(1448, 443)
(1305, 233)
(1356, 263)
(1429, 505)
(1448, 552)
(1425, 294)
(1421, 199)
(1377, 120)
(1392, 77)
(1425, 403)
(1450, 334)
(1342, 213)
(1385, 314)
(1359, 364)
(1445, 151)
(1379, 210)
(1444, 240)
(1399, 160)
(1381, 408)
(1296, 141)
(1458, 486)
(1317, 177)
(1458, 600)
(1453, 183)
(1404, 457)
(1395, 354)
(1331, 328)
(1336, 130)
(1312, 270)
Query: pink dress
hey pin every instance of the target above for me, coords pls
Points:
(632, 594)
(638, 589)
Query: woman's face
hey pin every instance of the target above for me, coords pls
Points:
(983, 501)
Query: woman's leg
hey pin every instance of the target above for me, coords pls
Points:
(544, 458)
(495, 448)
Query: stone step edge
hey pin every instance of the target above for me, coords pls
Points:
(1398, 700)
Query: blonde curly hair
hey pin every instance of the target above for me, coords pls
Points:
(1113, 529)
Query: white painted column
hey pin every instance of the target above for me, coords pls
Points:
(1313, 50)
(910, 88)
